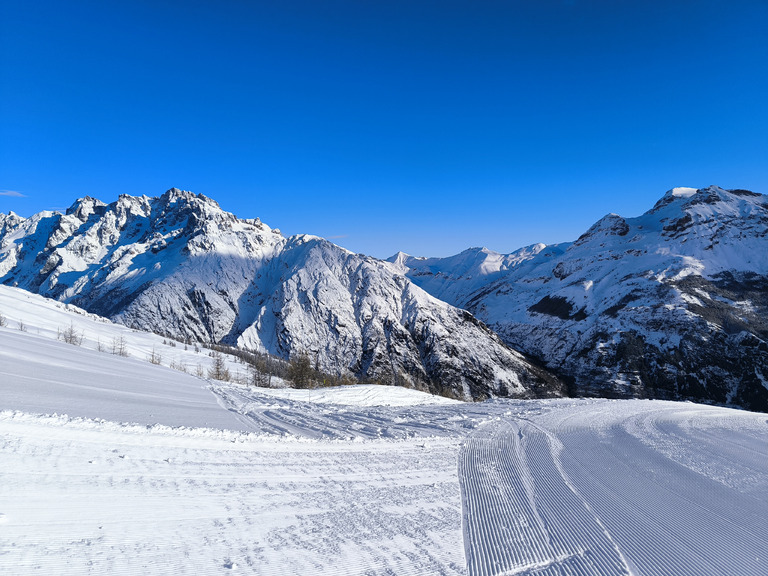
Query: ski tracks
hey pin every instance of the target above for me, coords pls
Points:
(91, 497)
(635, 488)
(521, 514)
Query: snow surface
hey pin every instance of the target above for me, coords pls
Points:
(683, 191)
(360, 395)
(234, 479)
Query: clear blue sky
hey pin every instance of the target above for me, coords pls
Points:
(389, 125)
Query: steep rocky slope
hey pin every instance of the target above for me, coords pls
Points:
(672, 304)
(179, 265)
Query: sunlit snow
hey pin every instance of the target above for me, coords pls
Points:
(113, 465)
(683, 192)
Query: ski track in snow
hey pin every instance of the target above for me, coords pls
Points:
(266, 413)
(88, 498)
(589, 491)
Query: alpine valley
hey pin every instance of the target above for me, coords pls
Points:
(672, 304)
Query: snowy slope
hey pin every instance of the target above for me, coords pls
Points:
(671, 304)
(41, 373)
(86, 497)
(347, 483)
(616, 487)
(179, 265)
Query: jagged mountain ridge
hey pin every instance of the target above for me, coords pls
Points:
(180, 265)
(671, 304)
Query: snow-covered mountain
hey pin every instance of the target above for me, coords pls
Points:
(180, 265)
(671, 304)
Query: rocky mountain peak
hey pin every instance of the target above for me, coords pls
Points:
(84, 207)
(185, 199)
(719, 199)
(609, 225)
(10, 219)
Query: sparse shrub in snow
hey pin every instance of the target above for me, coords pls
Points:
(22, 326)
(180, 366)
(3, 320)
(154, 357)
(199, 372)
(70, 335)
(119, 346)
(346, 379)
(394, 377)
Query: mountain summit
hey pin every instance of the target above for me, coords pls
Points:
(180, 265)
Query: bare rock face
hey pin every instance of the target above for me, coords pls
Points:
(181, 266)
(672, 304)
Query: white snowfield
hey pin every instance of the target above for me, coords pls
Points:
(113, 465)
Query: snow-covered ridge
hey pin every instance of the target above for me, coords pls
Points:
(179, 265)
(670, 304)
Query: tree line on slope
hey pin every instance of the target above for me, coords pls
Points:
(261, 368)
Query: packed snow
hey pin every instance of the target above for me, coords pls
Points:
(111, 464)
(360, 395)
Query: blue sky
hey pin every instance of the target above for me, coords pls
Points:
(391, 125)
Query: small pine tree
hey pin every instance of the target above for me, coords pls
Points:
(218, 370)
(300, 371)
(260, 378)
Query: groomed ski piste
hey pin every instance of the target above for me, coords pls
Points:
(114, 465)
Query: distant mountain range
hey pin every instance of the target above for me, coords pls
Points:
(179, 265)
(672, 304)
